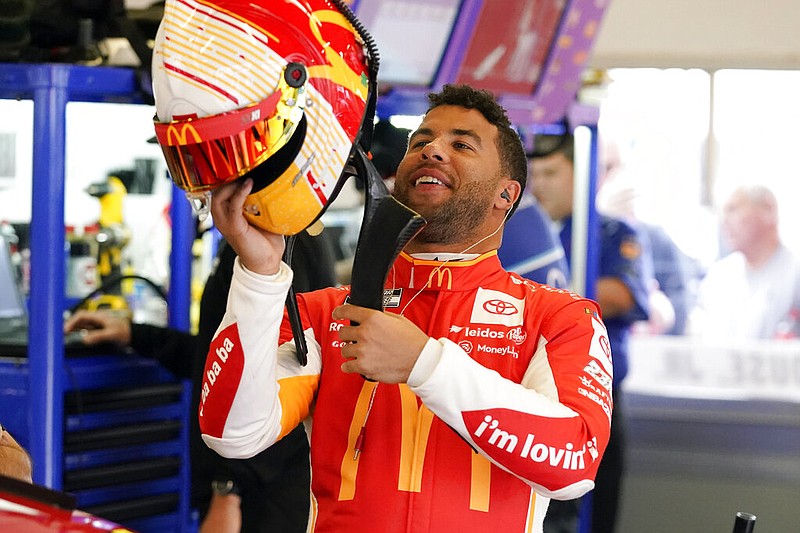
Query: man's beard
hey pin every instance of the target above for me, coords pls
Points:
(458, 218)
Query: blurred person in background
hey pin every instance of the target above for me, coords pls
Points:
(670, 295)
(388, 148)
(621, 290)
(753, 292)
(530, 247)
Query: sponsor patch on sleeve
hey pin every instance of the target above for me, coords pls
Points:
(510, 438)
(600, 347)
(221, 377)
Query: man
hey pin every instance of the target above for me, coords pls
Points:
(621, 291)
(14, 460)
(764, 272)
(670, 289)
(469, 402)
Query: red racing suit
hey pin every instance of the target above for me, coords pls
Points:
(507, 406)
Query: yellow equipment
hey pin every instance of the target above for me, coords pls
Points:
(111, 235)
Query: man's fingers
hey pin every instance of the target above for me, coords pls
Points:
(241, 192)
(71, 323)
(237, 194)
(92, 337)
(348, 367)
(347, 334)
(353, 366)
(227, 202)
(75, 318)
(230, 191)
(353, 313)
(81, 320)
(350, 349)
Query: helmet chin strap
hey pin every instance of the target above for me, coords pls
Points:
(386, 228)
(293, 310)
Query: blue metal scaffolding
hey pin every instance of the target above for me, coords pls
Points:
(51, 87)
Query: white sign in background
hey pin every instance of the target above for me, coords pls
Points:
(687, 367)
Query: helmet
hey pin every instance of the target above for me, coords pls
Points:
(277, 91)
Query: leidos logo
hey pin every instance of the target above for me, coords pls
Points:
(484, 333)
(516, 335)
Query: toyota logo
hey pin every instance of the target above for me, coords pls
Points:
(499, 307)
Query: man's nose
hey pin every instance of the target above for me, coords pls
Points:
(434, 150)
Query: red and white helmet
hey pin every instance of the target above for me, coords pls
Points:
(277, 91)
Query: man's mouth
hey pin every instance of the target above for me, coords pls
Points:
(427, 180)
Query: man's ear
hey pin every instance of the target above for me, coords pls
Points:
(508, 195)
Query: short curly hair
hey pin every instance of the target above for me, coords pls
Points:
(509, 143)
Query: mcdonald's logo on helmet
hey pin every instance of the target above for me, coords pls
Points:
(179, 134)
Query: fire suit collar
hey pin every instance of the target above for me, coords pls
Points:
(467, 274)
(444, 257)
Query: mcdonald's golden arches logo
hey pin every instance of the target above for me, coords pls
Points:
(440, 274)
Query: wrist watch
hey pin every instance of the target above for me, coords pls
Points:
(224, 487)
